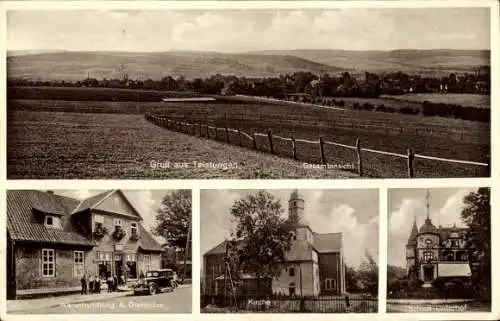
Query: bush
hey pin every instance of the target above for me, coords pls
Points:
(368, 106)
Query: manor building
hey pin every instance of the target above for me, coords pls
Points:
(53, 240)
(437, 252)
(314, 265)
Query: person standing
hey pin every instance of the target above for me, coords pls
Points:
(109, 281)
(91, 284)
(83, 281)
(97, 284)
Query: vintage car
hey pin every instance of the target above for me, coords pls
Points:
(155, 281)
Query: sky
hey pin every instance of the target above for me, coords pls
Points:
(326, 211)
(146, 202)
(249, 30)
(445, 206)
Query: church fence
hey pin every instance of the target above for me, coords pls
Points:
(322, 153)
(290, 304)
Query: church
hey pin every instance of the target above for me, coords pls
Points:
(314, 265)
(436, 252)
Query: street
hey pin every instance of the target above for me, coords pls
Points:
(178, 301)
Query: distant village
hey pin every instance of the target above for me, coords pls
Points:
(370, 85)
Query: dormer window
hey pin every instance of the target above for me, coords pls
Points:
(52, 221)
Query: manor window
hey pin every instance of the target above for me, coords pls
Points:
(79, 263)
(291, 289)
(48, 263)
(427, 256)
(291, 271)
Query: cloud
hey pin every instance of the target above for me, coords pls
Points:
(449, 213)
(402, 218)
(247, 30)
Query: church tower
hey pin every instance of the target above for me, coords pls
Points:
(296, 208)
(411, 251)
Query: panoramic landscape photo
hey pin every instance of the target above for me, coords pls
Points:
(334, 93)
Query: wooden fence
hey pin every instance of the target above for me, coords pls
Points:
(357, 159)
(291, 304)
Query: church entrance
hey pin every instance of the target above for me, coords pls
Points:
(428, 273)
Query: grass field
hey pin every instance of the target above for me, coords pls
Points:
(43, 145)
(435, 136)
(472, 100)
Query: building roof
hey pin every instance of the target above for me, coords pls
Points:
(414, 233)
(22, 225)
(428, 228)
(445, 232)
(218, 249)
(147, 242)
(91, 202)
(327, 242)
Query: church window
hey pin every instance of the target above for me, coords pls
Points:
(291, 271)
(329, 284)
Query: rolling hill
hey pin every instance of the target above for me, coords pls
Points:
(412, 61)
(77, 65)
(68, 65)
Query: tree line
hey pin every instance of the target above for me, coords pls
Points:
(368, 85)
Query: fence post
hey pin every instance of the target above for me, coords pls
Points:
(227, 135)
(294, 147)
(488, 160)
(199, 129)
(270, 137)
(322, 149)
(411, 156)
(358, 151)
(254, 141)
(239, 137)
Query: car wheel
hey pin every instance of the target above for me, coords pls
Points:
(152, 289)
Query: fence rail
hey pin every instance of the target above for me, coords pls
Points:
(355, 160)
(304, 304)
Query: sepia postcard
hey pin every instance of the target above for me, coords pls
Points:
(248, 93)
(238, 159)
(87, 251)
(320, 255)
(439, 254)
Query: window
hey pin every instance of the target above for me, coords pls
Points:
(329, 284)
(291, 271)
(428, 241)
(454, 243)
(427, 256)
(133, 228)
(51, 221)
(291, 289)
(78, 263)
(99, 219)
(48, 262)
(147, 262)
(118, 222)
(131, 266)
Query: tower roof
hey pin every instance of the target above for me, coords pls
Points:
(428, 227)
(295, 195)
(414, 233)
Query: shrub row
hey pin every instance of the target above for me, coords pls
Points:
(427, 108)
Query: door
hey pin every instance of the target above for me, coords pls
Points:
(428, 273)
